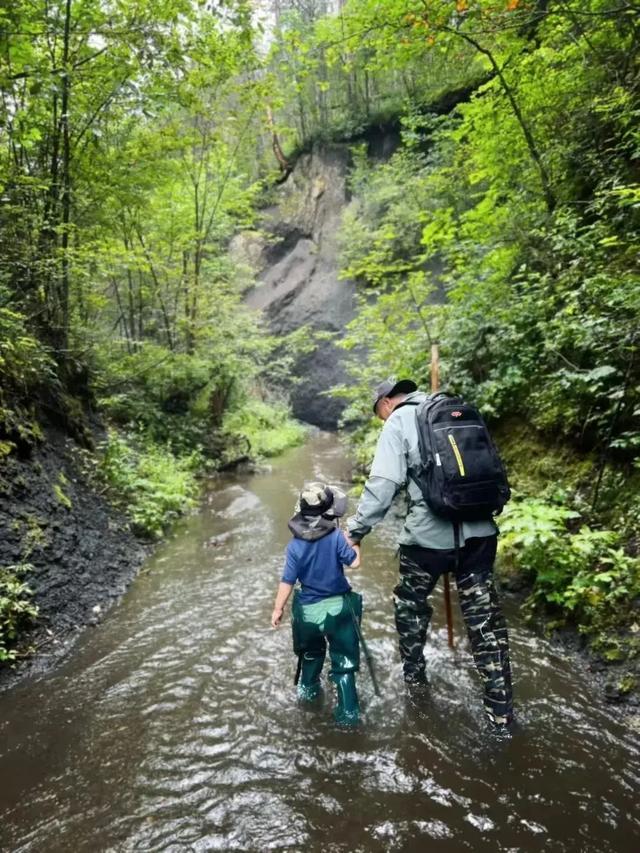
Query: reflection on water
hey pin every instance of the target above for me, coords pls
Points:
(174, 725)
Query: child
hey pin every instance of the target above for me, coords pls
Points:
(324, 608)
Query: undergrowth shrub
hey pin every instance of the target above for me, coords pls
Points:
(174, 398)
(263, 429)
(25, 367)
(148, 481)
(579, 574)
(16, 607)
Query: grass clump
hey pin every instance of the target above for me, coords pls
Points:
(265, 429)
(149, 482)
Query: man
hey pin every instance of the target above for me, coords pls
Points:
(427, 550)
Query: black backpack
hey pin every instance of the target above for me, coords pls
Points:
(462, 477)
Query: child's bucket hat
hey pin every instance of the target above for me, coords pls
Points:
(320, 499)
(317, 510)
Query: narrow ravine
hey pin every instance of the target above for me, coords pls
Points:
(173, 725)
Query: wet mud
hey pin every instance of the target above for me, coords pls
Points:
(82, 552)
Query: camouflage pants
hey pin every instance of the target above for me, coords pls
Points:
(420, 570)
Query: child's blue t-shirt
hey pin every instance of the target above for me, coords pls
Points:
(318, 566)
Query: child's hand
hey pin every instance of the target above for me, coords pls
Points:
(348, 538)
(282, 596)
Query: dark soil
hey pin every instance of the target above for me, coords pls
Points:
(82, 551)
(618, 682)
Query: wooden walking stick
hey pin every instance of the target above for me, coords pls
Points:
(435, 387)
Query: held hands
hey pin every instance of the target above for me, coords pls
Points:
(276, 617)
(356, 548)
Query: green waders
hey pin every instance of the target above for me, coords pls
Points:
(330, 620)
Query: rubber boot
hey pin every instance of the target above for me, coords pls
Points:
(309, 684)
(347, 711)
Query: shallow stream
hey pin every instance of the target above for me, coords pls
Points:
(173, 724)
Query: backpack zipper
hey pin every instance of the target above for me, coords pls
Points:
(456, 451)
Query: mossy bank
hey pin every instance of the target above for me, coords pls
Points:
(574, 566)
(78, 553)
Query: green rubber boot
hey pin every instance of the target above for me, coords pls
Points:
(309, 684)
(347, 711)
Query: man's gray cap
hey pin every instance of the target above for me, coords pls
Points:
(390, 387)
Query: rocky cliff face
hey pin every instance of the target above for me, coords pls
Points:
(298, 274)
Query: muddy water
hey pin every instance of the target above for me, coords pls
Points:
(173, 725)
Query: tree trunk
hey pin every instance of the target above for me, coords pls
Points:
(63, 331)
(130, 289)
(156, 281)
(285, 166)
(122, 320)
(191, 305)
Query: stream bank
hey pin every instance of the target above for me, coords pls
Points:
(83, 552)
(616, 682)
(601, 638)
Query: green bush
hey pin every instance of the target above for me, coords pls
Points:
(16, 608)
(262, 429)
(25, 368)
(535, 310)
(581, 575)
(148, 481)
(189, 402)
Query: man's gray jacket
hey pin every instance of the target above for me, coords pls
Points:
(396, 452)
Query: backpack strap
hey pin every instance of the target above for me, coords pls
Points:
(431, 398)
(406, 403)
(456, 543)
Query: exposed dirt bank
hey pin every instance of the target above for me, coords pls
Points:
(296, 257)
(82, 551)
(618, 681)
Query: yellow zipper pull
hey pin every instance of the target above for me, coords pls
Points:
(458, 456)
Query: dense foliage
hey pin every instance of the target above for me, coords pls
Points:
(129, 157)
(149, 481)
(16, 608)
(521, 206)
(130, 154)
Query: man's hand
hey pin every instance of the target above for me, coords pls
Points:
(276, 617)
